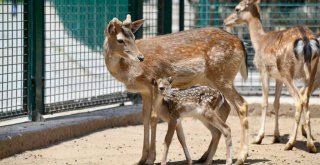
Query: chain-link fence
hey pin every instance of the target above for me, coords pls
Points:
(51, 56)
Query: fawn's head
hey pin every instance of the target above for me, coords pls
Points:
(121, 40)
(244, 11)
(163, 85)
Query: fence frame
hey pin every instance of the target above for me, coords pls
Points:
(36, 59)
(34, 49)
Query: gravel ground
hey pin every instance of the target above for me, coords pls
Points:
(124, 145)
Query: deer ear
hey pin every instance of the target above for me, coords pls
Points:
(170, 79)
(136, 25)
(252, 1)
(111, 29)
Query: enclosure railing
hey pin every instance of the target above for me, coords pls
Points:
(51, 54)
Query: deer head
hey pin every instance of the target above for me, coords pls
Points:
(121, 40)
(244, 11)
(163, 85)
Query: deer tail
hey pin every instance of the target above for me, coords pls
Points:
(243, 67)
(303, 47)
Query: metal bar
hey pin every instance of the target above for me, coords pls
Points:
(135, 8)
(164, 16)
(36, 66)
(25, 55)
(181, 15)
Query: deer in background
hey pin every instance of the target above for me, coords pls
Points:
(284, 55)
(206, 56)
(201, 102)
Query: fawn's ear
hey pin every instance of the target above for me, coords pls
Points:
(136, 25)
(154, 82)
(170, 79)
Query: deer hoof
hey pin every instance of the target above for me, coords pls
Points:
(239, 162)
(288, 146)
(311, 148)
(276, 139)
(258, 140)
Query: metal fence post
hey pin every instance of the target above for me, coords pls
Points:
(181, 15)
(25, 55)
(164, 16)
(36, 60)
(136, 11)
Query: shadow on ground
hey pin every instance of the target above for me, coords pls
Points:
(219, 161)
(300, 145)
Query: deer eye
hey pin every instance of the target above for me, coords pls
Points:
(120, 41)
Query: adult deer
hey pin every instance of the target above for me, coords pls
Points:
(206, 56)
(284, 55)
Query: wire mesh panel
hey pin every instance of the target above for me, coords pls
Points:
(275, 15)
(75, 73)
(12, 58)
(150, 15)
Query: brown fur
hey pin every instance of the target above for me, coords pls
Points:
(206, 56)
(275, 57)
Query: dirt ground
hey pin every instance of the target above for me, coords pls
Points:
(123, 145)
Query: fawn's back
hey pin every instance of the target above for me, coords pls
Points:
(193, 101)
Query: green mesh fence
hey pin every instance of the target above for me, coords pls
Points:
(12, 59)
(75, 73)
(275, 15)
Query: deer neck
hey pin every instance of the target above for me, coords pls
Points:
(123, 70)
(256, 32)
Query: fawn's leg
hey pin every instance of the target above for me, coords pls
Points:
(216, 134)
(223, 113)
(167, 141)
(218, 123)
(182, 141)
(264, 105)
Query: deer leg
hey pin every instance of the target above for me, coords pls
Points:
(306, 124)
(298, 104)
(264, 105)
(223, 113)
(182, 141)
(218, 123)
(241, 107)
(152, 152)
(171, 128)
(303, 120)
(276, 106)
(146, 109)
(216, 134)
